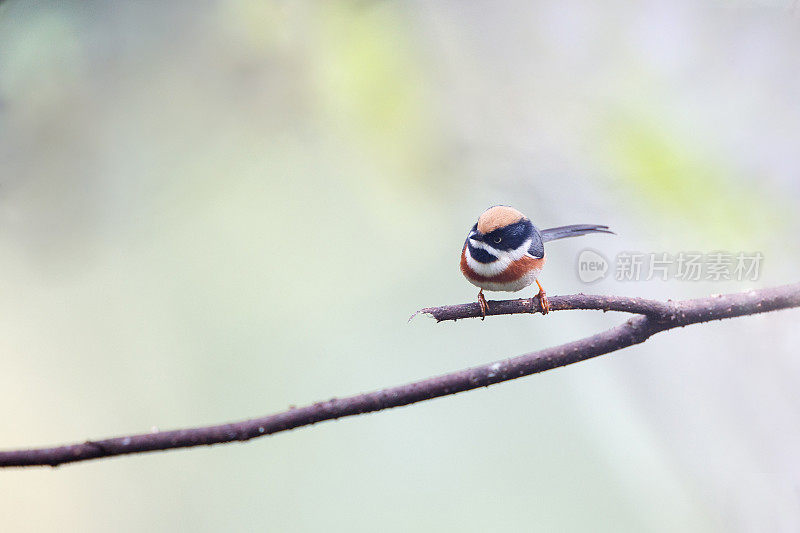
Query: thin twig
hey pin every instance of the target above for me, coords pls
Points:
(651, 317)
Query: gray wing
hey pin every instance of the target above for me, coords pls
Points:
(536, 249)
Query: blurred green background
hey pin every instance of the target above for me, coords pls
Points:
(213, 210)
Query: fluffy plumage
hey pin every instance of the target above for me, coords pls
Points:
(504, 251)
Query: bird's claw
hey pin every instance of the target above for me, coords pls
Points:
(544, 303)
(484, 305)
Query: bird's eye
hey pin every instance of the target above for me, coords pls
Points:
(497, 240)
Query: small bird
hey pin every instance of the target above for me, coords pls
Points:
(504, 251)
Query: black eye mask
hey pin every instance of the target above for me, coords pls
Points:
(511, 236)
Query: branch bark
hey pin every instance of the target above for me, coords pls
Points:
(651, 317)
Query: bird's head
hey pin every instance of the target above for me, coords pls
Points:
(501, 230)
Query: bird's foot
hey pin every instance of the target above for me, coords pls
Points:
(543, 301)
(484, 305)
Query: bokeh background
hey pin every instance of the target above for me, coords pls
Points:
(212, 210)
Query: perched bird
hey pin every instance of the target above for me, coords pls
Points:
(504, 251)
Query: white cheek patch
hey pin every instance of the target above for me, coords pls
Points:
(520, 251)
(514, 254)
(482, 245)
(504, 258)
(485, 269)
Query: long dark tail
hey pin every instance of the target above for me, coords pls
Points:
(575, 230)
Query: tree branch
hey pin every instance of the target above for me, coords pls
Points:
(651, 317)
(557, 303)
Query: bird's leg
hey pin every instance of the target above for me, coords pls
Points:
(543, 299)
(482, 303)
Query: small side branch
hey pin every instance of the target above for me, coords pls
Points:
(650, 318)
